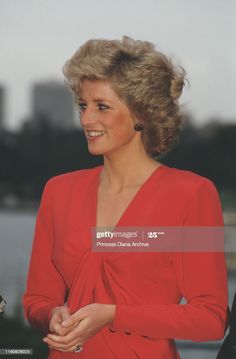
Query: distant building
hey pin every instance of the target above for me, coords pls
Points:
(2, 106)
(53, 103)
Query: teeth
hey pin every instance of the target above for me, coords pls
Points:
(95, 133)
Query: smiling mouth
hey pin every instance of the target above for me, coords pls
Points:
(94, 134)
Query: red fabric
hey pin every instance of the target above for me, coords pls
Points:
(146, 287)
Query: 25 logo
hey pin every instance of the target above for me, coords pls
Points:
(152, 234)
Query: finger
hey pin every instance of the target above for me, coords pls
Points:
(56, 328)
(62, 347)
(65, 313)
(55, 325)
(64, 339)
(74, 319)
(68, 350)
(60, 331)
(74, 335)
(58, 316)
(62, 314)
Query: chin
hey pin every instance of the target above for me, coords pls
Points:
(94, 151)
(102, 151)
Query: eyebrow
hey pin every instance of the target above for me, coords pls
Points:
(96, 100)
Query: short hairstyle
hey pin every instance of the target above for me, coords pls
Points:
(144, 78)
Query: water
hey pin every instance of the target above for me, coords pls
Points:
(16, 232)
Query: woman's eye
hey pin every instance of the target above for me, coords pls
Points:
(82, 107)
(102, 107)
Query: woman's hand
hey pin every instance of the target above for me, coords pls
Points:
(81, 326)
(59, 314)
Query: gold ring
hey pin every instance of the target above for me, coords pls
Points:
(78, 349)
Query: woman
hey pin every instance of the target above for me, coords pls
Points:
(124, 305)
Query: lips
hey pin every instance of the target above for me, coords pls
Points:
(94, 135)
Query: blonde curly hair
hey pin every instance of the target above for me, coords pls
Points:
(144, 78)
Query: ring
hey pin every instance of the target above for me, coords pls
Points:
(78, 349)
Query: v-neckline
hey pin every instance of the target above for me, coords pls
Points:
(157, 170)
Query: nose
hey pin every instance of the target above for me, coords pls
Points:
(87, 117)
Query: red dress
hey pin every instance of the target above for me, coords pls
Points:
(146, 287)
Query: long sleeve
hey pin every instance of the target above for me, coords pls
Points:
(201, 278)
(45, 286)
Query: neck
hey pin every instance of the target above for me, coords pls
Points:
(127, 170)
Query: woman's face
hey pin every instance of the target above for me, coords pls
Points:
(106, 120)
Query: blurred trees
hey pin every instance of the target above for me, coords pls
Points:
(209, 151)
(31, 156)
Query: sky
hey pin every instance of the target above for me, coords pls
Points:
(38, 36)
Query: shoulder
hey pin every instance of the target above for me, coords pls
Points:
(67, 181)
(187, 181)
(195, 196)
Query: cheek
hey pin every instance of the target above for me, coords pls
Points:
(120, 125)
